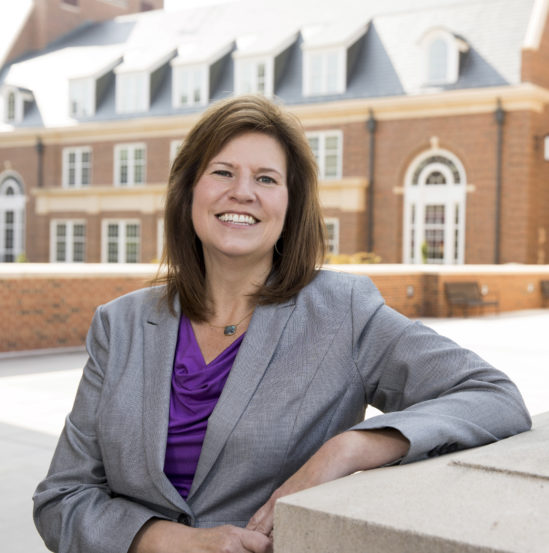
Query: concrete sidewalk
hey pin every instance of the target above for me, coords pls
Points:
(37, 390)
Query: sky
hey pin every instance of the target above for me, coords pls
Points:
(172, 5)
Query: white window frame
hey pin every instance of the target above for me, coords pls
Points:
(14, 114)
(332, 244)
(417, 197)
(133, 91)
(449, 74)
(13, 203)
(247, 77)
(316, 67)
(79, 166)
(321, 155)
(121, 240)
(175, 145)
(131, 163)
(82, 97)
(189, 79)
(70, 240)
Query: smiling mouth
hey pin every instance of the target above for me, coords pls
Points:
(237, 218)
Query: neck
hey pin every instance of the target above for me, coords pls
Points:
(230, 286)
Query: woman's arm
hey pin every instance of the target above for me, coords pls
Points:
(161, 536)
(340, 456)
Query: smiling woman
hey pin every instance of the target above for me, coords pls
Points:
(245, 376)
(240, 204)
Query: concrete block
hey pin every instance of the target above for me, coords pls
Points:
(492, 499)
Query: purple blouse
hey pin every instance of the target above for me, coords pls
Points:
(196, 387)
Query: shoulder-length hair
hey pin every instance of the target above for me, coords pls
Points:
(301, 246)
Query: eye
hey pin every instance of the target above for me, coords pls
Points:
(265, 179)
(222, 173)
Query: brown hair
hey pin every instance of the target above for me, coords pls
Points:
(300, 247)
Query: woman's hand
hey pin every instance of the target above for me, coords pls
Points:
(342, 455)
(162, 536)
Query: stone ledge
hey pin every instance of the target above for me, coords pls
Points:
(492, 499)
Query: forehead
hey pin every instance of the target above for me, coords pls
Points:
(253, 147)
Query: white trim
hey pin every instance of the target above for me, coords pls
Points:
(131, 165)
(78, 166)
(451, 195)
(536, 25)
(15, 205)
(321, 154)
(453, 46)
(197, 77)
(133, 92)
(326, 86)
(332, 245)
(121, 240)
(247, 78)
(175, 145)
(70, 240)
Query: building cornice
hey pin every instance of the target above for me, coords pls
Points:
(523, 97)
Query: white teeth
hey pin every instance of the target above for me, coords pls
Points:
(237, 218)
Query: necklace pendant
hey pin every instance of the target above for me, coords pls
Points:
(229, 330)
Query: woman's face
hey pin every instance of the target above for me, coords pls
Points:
(240, 201)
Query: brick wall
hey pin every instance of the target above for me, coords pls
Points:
(51, 306)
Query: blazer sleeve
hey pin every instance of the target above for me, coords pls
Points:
(440, 396)
(74, 509)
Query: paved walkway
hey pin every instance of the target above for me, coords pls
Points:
(36, 392)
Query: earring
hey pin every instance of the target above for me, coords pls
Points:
(276, 249)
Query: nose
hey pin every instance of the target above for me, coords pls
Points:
(243, 188)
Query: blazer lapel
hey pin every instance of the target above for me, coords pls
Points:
(256, 350)
(160, 339)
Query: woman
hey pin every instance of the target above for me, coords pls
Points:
(245, 376)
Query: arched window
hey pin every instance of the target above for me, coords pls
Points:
(441, 52)
(12, 218)
(434, 209)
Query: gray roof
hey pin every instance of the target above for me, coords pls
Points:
(386, 57)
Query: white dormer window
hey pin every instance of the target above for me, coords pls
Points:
(132, 92)
(190, 86)
(328, 51)
(441, 53)
(14, 100)
(254, 76)
(82, 97)
(324, 72)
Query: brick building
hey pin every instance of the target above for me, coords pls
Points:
(428, 119)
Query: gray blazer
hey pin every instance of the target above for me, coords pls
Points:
(305, 371)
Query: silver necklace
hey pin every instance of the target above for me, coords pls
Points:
(230, 329)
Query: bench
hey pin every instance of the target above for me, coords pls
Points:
(466, 295)
(544, 285)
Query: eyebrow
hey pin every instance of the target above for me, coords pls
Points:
(259, 169)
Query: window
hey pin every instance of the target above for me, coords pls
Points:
(10, 107)
(76, 167)
(190, 86)
(254, 76)
(441, 51)
(81, 97)
(121, 242)
(332, 235)
(327, 149)
(324, 72)
(175, 145)
(68, 242)
(12, 217)
(15, 102)
(129, 165)
(132, 92)
(434, 210)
